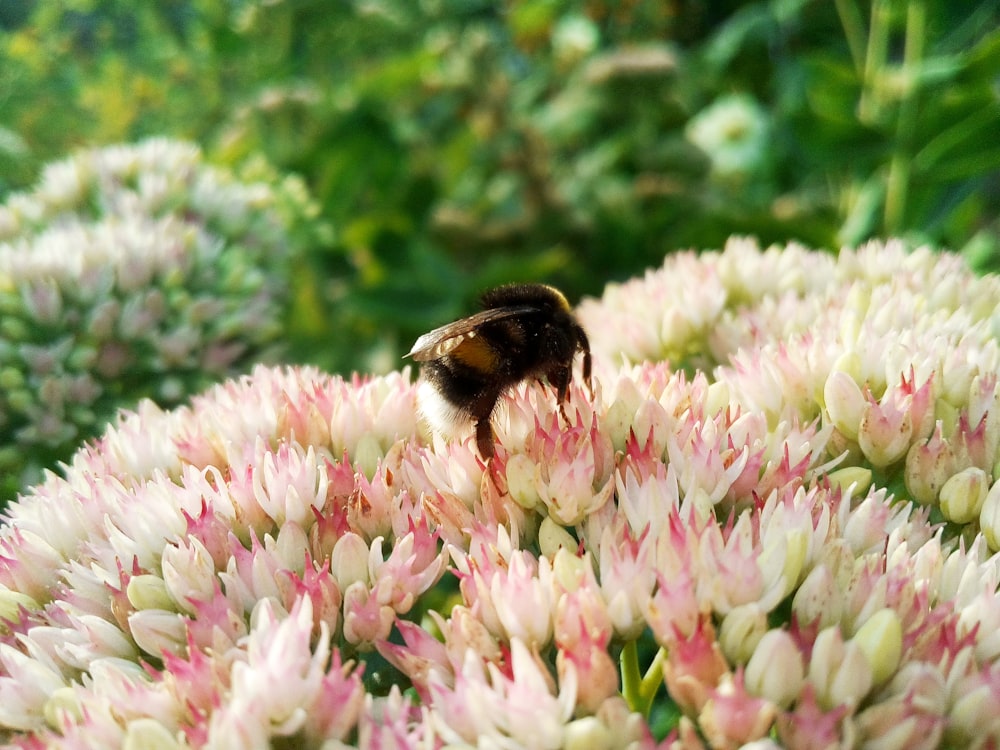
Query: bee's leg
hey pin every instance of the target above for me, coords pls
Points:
(559, 378)
(587, 372)
(484, 438)
(481, 409)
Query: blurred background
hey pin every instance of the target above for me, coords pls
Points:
(452, 145)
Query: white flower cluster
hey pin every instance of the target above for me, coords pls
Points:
(794, 546)
(127, 272)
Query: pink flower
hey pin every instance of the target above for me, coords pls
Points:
(278, 652)
(567, 469)
(811, 728)
(582, 632)
(24, 688)
(366, 619)
(912, 715)
(732, 718)
(627, 577)
(490, 703)
(694, 668)
(412, 566)
(928, 466)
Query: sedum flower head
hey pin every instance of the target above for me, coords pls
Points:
(128, 272)
(722, 539)
(734, 132)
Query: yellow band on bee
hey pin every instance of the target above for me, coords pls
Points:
(476, 353)
(563, 302)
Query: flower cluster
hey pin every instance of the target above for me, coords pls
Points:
(734, 133)
(129, 272)
(763, 549)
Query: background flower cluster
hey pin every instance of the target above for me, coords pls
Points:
(774, 524)
(129, 272)
(458, 144)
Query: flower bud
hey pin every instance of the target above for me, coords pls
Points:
(741, 631)
(857, 476)
(12, 601)
(884, 433)
(569, 570)
(651, 424)
(62, 703)
(157, 631)
(596, 673)
(733, 717)
(947, 414)
(521, 481)
(971, 710)
(964, 494)
(552, 537)
(818, 599)
(588, 733)
(845, 403)
(189, 574)
(928, 467)
(365, 621)
(349, 561)
(148, 734)
(775, 671)
(718, 398)
(881, 640)
(989, 517)
(839, 671)
(617, 423)
(782, 559)
(367, 454)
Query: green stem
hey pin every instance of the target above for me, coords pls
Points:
(874, 67)
(631, 681)
(854, 31)
(652, 680)
(639, 690)
(900, 167)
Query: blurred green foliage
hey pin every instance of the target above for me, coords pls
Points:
(456, 144)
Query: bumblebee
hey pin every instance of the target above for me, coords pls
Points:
(523, 331)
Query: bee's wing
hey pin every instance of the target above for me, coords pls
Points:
(447, 338)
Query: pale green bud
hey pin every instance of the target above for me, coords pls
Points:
(845, 403)
(881, 640)
(858, 476)
(989, 517)
(521, 481)
(969, 714)
(618, 422)
(367, 454)
(776, 670)
(553, 539)
(718, 397)
(588, 733)
(839, 671)
(964, 494)
(349, 560)
(62, 702)
(149, 734)
(741, 631)
(12, 601)
(149, 592)
(156, 631)
(819, 598)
